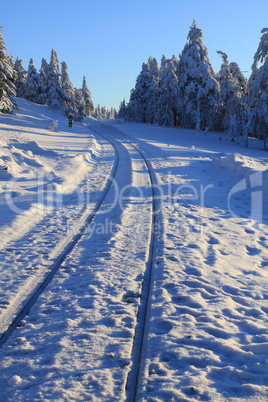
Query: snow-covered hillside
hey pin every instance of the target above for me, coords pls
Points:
(206, 327)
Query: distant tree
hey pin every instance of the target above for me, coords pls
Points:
(55, 93)
(137, 105)
(21, 78)
(33, 84)
(7, 79)
(153, 91)
(86, 99)
(44, 74)
(258, 91)
(168, 92)
(122, 111)
(103, 113)
(98, 112)
(233, 86)
(79, 104)
(111, 113)
(198, 89)
(69, 103)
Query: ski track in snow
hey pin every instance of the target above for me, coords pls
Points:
(206, 332)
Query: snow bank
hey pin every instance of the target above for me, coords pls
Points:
(33, 147)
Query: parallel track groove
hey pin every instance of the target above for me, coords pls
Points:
(54, 267)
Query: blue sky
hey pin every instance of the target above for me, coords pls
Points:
(107, 41)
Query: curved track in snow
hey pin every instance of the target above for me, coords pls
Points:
(124, 147)
(13, 318)
(141, 331)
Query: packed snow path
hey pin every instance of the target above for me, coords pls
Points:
(45, 261)
(205, 334)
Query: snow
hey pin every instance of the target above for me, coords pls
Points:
(206, 329)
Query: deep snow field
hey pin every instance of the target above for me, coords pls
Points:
(206, 337)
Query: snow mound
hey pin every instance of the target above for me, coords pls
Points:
(34, 147)
(15, 380)
(231, 162)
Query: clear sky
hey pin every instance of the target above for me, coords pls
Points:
(108, 40)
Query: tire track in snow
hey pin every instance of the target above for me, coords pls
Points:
(52, 268)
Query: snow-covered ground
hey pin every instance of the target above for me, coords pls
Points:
(206, 330)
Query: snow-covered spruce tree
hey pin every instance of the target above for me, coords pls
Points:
(168, 92)
(7, 79)
(44, 74)
(122, 112)
(55, 94)
(21, 78)
(103, 112)
(198, 89)
(111, 113)
(33, 84)
(139, 96)
(79, 104)
(233, 86)
(69, 104)
(86, 98)
(153, 91)
(258, 92)
(97, 112)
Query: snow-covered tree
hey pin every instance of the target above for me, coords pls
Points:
(138, 103)
(101, 112)
(233, 86)
(79, 104)
(258, 91)
(33, 84)
(69, 104)
(21, 78)
(7, 79)
(55, 94)
(122, 111)
(44, 74)
(168, 92)
(87, 101)
(198, 89)
(111, 113)
(153, 91)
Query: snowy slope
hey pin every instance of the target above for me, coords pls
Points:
(206, 330)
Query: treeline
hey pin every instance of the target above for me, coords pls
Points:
(49, 86)
(101, 112)
(186, 92)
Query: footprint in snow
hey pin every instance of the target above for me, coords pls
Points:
(213, 240)
(163, 327)
(250, 231)
(253, 250)
(192, 245)
(193, 271)
(171, 258)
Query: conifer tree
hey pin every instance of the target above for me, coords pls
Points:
(21, 78)
(44, 74)
(122, 112)
(55, 94)
(79, 104)
(7, 79)
(153, 91)
(141, 108)
(69, 104)
(233, 86)
(168, 93)
(87, 101)
(33, 84)
(198, 89)
(258, 91)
